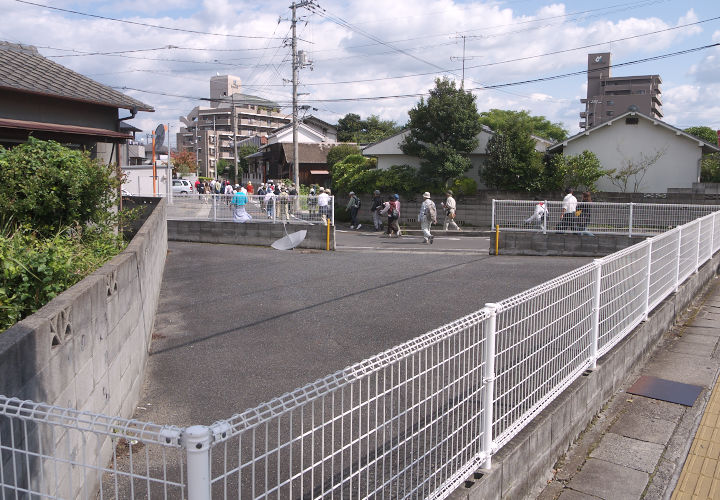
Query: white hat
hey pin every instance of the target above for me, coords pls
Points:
(426, 195)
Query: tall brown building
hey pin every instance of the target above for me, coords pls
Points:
(608, 96)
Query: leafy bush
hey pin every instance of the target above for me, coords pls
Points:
(48, 186)
(710, 168)
(339, 153)
(35, 269)
(355, 173)
(579, 172)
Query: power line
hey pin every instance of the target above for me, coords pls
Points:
(488, 87)
(137, 23)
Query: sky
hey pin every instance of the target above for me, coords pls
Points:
(378, 57)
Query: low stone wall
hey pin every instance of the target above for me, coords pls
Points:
(568, 245)
(254, 233)
(87, 348)
(522, 467)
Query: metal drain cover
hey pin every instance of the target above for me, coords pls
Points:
(666, 390)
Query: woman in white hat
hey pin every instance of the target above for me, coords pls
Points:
(427, 217)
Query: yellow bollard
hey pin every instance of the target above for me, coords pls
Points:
(327, 244)
(497, 239)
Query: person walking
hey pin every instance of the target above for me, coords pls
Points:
(269, 201)
(353, 206)
(250, 188)
(284, 204)
(427, 217)
(567, 217)
(375, 208)
(238, 202)
(392, 210)
(450, 206)
(323, 201)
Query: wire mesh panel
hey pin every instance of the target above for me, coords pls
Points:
(663, 263)
(404, 424)
(689, 238)
(52, 452)
(542, 344)
(623, 287)
(716, 233)
(301, 209)
(596, 217)
(705, 238)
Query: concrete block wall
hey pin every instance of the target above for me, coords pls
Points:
(568, 245)
(87, 350)
(254, 233)
(522, 467)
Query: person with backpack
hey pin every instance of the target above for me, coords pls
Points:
(353, 206)
(392, 210)
(427, 217)
(375, 208)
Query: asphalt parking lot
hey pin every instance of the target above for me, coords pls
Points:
(238, 325)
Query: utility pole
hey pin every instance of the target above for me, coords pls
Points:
(462, 84)
(234, 112)
(296, 65)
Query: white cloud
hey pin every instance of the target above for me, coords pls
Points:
(417, 41)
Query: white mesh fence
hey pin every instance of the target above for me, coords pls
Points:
(412, 422)
(300, 209)
(593, 217)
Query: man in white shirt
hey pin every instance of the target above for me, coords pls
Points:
(323, 201)
(569, 205)
(450, 207)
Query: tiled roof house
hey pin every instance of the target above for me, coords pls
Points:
(44, 99)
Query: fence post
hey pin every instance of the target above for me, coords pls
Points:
(545, 217)
(712, 238)
(647, 281)
(274, 200)
(677, 263)
(197, 447)
(214, 199)
(630, 224)
(492, 216)
(489, 382)
(697, 244)
(595, 329)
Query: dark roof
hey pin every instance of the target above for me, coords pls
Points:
(110, 135)
(23, 69)
(309, 152)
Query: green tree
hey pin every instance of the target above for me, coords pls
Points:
(243, 151)
(513, 163)
(222, 167)
(339, 153)
(580, 172)
(355, 173)
(50, 187)
(443, 132)
(502, 119)
(710, 168)
(184, 162)
(705, 133)
(352, 128)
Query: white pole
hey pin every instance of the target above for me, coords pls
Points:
(677, 261)
(595, 329)
(489, 382)
(648, 264)
(197, 446)
(630, 224)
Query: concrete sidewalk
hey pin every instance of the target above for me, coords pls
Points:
(637, 447)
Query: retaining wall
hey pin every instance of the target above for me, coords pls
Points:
(87, 348)
(254, 233)
(522, 467)
(568, 245)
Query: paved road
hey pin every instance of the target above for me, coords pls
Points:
(238, 325)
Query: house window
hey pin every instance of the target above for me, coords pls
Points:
(610, 113)
(611, 103)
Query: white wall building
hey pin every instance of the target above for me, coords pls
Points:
(632, 136)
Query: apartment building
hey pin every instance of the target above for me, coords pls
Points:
(208, 130)
(611, 96)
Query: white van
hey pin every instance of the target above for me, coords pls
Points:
(182, 186)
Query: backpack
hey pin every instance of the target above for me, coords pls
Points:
(358, 203)
(393, 213)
